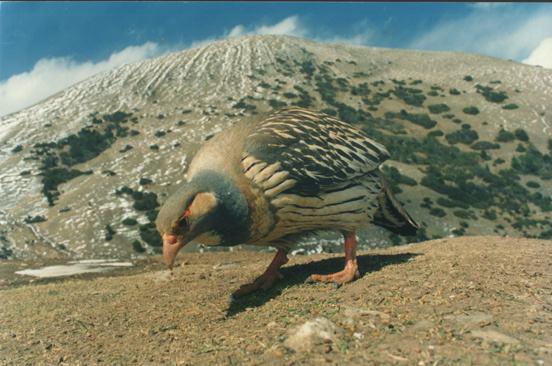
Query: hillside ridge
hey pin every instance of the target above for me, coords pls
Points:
(103, 154)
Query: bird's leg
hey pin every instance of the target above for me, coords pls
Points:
(268, 278)
(350, 272)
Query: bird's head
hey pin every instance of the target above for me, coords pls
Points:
(209, 209)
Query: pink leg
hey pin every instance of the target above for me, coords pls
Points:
(268, 278)
(350, 272)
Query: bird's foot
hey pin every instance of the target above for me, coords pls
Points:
(263, 282)
(348, 274)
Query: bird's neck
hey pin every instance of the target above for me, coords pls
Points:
(232, 216)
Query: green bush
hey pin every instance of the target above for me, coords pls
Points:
(471, 110)
(144, 181)
(243, 105)
(510, 106)
(485, 145)
(505, 136)
(420, 119)
(361, 89)
(436, 211)
(490, 94)
(438, 108)
(435, 133)
(17, 149)
(464, 214)
(394, 178)
(34, 219)
(305, 100)
(329, 111)
(490, 214)
(521, 135)
(276, 104)
(137, 246)
(533, 162)
(464, 136)
(468, 78)
(129, 221)
(150, 235)
(109, 232)
(126, 148)
(532, 184)
(410, 96)
(454, 91)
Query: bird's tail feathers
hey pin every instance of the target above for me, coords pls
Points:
(392, 215)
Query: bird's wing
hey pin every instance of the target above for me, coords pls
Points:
(316, 150)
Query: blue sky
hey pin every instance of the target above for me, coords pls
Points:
(47, 46)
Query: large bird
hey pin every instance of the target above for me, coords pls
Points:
(271, 182)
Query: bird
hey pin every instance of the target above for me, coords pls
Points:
(273, 181)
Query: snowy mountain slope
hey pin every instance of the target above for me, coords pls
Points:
(146, 120)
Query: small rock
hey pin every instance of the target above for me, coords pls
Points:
(351, 312)
(490, 335)
(306, 336)
(471, 320)
(422, 325)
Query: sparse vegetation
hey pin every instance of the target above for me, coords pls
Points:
(410, 96)
(421, 119)
(533, 162)
(490, 94)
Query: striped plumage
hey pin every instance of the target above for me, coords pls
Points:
(319, 173)
(294, 172)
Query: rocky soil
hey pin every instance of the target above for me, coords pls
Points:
(467, 300)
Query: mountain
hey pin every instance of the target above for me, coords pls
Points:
(83, 172)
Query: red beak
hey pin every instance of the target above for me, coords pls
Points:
(171, 246)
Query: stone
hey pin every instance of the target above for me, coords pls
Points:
(313, 332)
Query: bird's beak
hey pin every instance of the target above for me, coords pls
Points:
(171, 246)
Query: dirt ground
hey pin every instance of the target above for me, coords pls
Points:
(469, 300)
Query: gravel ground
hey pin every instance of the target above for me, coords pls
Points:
(468, 300)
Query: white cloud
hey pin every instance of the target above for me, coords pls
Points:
(541, 55)
(50, 75)
(290, 26)
(362, 34)
(488, 5)
(501, 31)
(294, 26)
